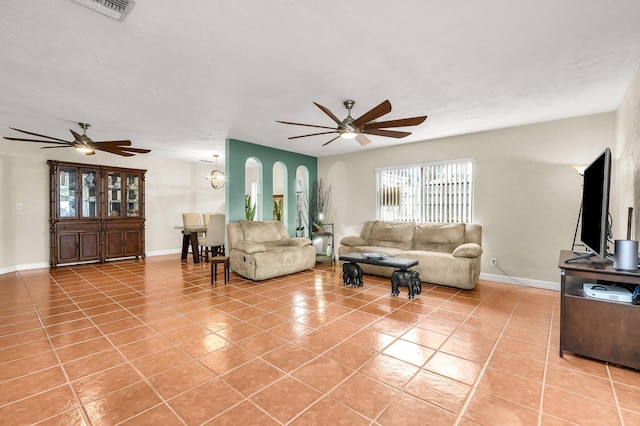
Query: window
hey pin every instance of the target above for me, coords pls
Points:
(427, 192)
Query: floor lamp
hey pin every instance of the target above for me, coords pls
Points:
(580, 168)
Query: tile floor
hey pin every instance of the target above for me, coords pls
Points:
(151, 342)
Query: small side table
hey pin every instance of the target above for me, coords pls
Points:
(214, 268)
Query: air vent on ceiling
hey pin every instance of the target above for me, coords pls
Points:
(111, 8)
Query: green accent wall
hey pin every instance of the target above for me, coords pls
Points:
(237, 152)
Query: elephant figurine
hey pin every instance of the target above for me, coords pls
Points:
(352, 274)
(409, 279)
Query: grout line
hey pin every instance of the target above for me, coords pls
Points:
(474, 387)
(546, 363)
(615, 394)
(79, 404)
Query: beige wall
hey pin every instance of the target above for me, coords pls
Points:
(172, 187)
(527, 196)
(627, 161)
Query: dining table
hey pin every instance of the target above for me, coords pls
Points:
(190, 238)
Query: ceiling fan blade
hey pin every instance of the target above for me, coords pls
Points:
(387, 133)
(115, 151)
(60, 146)
(402, 122)
(138, 150)
(327, 143)
(301, 124)
(330, 114)
(376, 112)
(114, 143)
(363, 140)
(36, 140)
(312, 134)
(35, 134)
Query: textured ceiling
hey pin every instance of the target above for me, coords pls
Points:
(180, 77)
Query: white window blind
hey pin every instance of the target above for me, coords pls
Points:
(427, 192)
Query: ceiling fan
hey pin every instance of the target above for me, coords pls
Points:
(83, 143)
(357, 128)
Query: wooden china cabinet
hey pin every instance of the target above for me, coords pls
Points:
(96, 213)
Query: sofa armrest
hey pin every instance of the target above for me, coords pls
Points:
(250, 247)
(296, 242)
(468, 250)
(352, 240)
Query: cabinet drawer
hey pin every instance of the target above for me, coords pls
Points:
(77, 227)
(121, 225)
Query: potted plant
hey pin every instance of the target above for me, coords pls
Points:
(249, 208)
(277, 210)
(319, 206)
(299, 226)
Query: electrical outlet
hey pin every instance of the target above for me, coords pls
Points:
(494, 261)
(18, 206)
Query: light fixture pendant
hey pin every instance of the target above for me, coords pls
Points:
(216, 178)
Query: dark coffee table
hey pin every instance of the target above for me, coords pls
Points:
(393, 262)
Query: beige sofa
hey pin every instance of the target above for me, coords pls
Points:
(261, 250)
(448, 253)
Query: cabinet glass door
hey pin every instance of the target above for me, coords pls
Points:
(89, 194)
(114, 189)
(133, 193)
(67, 201)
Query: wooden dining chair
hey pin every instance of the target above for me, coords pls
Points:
(205, 218)
(194, 220)
(214, 240)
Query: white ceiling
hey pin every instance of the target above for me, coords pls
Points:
(180, 77)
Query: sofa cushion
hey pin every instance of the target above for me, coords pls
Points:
(296, 242)
(392, 234)
(467, 250)
(250, 247)
(441, 237)
(352, 240)
(260, 232)
(389, 251)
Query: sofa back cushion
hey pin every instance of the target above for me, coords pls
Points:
(392, 234)
(261, 231)
(473, 233)
(442, 237)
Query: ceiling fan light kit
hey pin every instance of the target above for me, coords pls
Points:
(351, 128)
(111, 8)
(82, 145)
(348, 134)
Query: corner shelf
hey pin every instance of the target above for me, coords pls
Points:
(327, 236)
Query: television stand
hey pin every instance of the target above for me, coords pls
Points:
(597, 328)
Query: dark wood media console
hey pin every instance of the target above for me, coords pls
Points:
(602, 329)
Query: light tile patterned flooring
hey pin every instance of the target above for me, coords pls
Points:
(152, 342)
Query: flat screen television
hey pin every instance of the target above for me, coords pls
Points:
(594, 232)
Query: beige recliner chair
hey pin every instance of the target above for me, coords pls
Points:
(259, 250)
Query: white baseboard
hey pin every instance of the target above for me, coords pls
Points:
(28, 266)
(24, 267)
(547, 285)
(163, 252)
